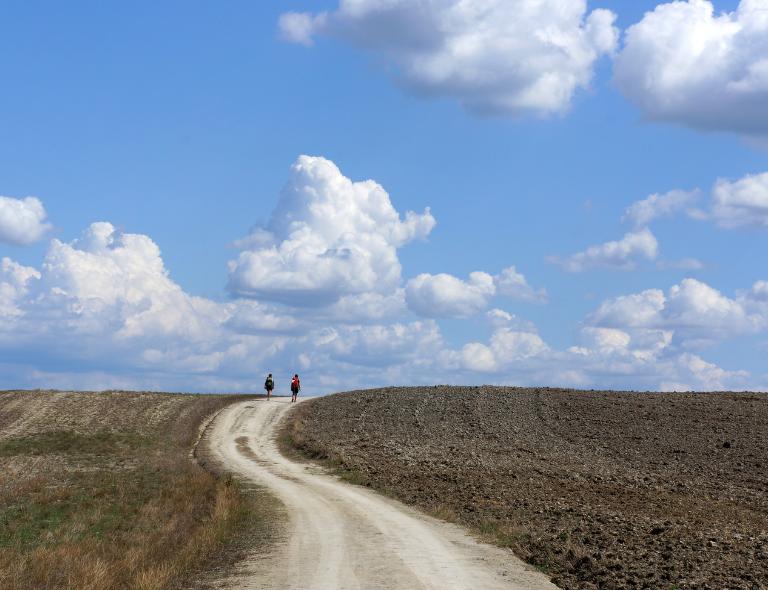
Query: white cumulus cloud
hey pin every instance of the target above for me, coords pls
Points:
(498, 318)
(327, 238)
(381, 345)
(731, 204)
(299, 27)
(623, 254)
(511, 283)
(686, 64)
(693, 310)
(509, 349)
(494, 56)
(22, 221)
(14, 281)
(701, 375)
(641, 213)
(743, 202)
(444, 295)
(105, 305)
(106, 301)
(108, 280)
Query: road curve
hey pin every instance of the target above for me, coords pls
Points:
(345, 537)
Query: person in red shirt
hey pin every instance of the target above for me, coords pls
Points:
(295, 387)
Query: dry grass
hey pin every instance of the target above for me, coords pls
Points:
(98, 491)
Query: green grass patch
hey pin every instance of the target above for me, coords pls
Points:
(96, 505)
(120, 506)
(62, 441)
(24, 525)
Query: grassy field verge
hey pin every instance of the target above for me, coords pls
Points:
(98, 490)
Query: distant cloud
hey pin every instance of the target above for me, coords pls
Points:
(328, 237)
(641, 213)
(381, 345)
(743, 202)
(14, 285)
(511, 283)
(498, 318)
(638, 310)
(494, 56)
(731, 204)
(638, 339)
(22, 221)
(685, 64)
(300, 27)
(692, 309)
(507, 348)
(623, 254)
(444, 296)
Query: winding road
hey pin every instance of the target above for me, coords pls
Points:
(344, 537)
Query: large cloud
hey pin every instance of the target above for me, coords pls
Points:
(105, 302)
(22, 221)
(105, 306)
(120, 279)
(327, 238)
(102, 311)
(623, 254)
(683, 63)
(494, 56)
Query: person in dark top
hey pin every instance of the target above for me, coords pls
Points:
(269, 385)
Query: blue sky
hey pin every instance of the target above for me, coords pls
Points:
(181, 122)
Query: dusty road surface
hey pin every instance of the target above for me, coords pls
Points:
(344, 537)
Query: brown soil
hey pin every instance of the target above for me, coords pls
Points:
(599, 489)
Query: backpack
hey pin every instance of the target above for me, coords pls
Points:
(295, 386)
(269, 383)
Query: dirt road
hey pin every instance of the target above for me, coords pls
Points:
(344, 537)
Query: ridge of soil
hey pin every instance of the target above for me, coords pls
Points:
(599, 489)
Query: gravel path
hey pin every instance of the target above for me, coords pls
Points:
(344, 537)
